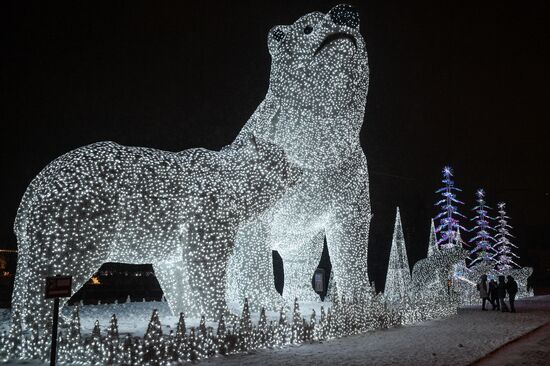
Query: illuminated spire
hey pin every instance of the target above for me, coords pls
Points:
(432, 245)
(398, 279)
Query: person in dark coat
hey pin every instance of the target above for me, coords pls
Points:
(483, 291)
(502, 293)
(493, 294)
(512, 289)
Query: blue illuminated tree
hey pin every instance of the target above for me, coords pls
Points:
(449, 224)
(483, 241)
(504, 255)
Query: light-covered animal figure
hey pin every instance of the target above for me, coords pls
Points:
(430, 276)
(468, 278)
(314, 110)
(110, 203)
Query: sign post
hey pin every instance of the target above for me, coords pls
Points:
(56, 287)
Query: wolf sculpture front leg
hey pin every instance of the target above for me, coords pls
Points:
(347, 235)
(299, 265)
(172, 277)
(250, 269)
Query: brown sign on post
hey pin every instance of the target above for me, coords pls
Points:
(58, 286)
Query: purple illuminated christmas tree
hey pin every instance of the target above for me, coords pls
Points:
(483, 241)
(449, 224)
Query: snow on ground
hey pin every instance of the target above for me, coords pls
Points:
(457, 340)
(134, 317)
(531, 349)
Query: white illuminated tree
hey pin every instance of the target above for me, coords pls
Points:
(112, 340)
(504, 254)
(449, 223)
(398, 278)
(432, 244)
(74, 328)
(296, 328)
(153, 338)
(96, 345)
(181, 328)
(283, 328)
(483, 241)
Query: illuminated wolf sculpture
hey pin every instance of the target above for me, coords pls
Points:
(110, 203)
(314, 110)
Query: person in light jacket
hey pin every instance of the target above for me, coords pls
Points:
(483, 291)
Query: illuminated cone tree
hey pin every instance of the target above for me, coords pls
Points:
(504, 255)
(398, 279)
(483, 241)
(432, 245)
(449, 224)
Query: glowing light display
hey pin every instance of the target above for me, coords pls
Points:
(430, 276)
(432, 245)
(208, 222)
(504, 255)
(179, 211)
(314, 110)
(449, 224)
(483, 240)
(398, 278)
(486, 256)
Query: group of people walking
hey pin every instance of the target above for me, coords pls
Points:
(495, 292)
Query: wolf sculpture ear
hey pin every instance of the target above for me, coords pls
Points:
(344, 14)
(275, 37)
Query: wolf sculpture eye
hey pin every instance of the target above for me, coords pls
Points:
(278, 35)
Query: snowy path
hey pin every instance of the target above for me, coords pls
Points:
(531, 349)
(458, 340)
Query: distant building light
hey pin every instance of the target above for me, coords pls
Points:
(95, 281)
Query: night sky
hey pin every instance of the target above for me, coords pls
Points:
(451, 82)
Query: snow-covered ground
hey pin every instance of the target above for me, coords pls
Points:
(531, 349)
(458, 340)
(133, 317)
